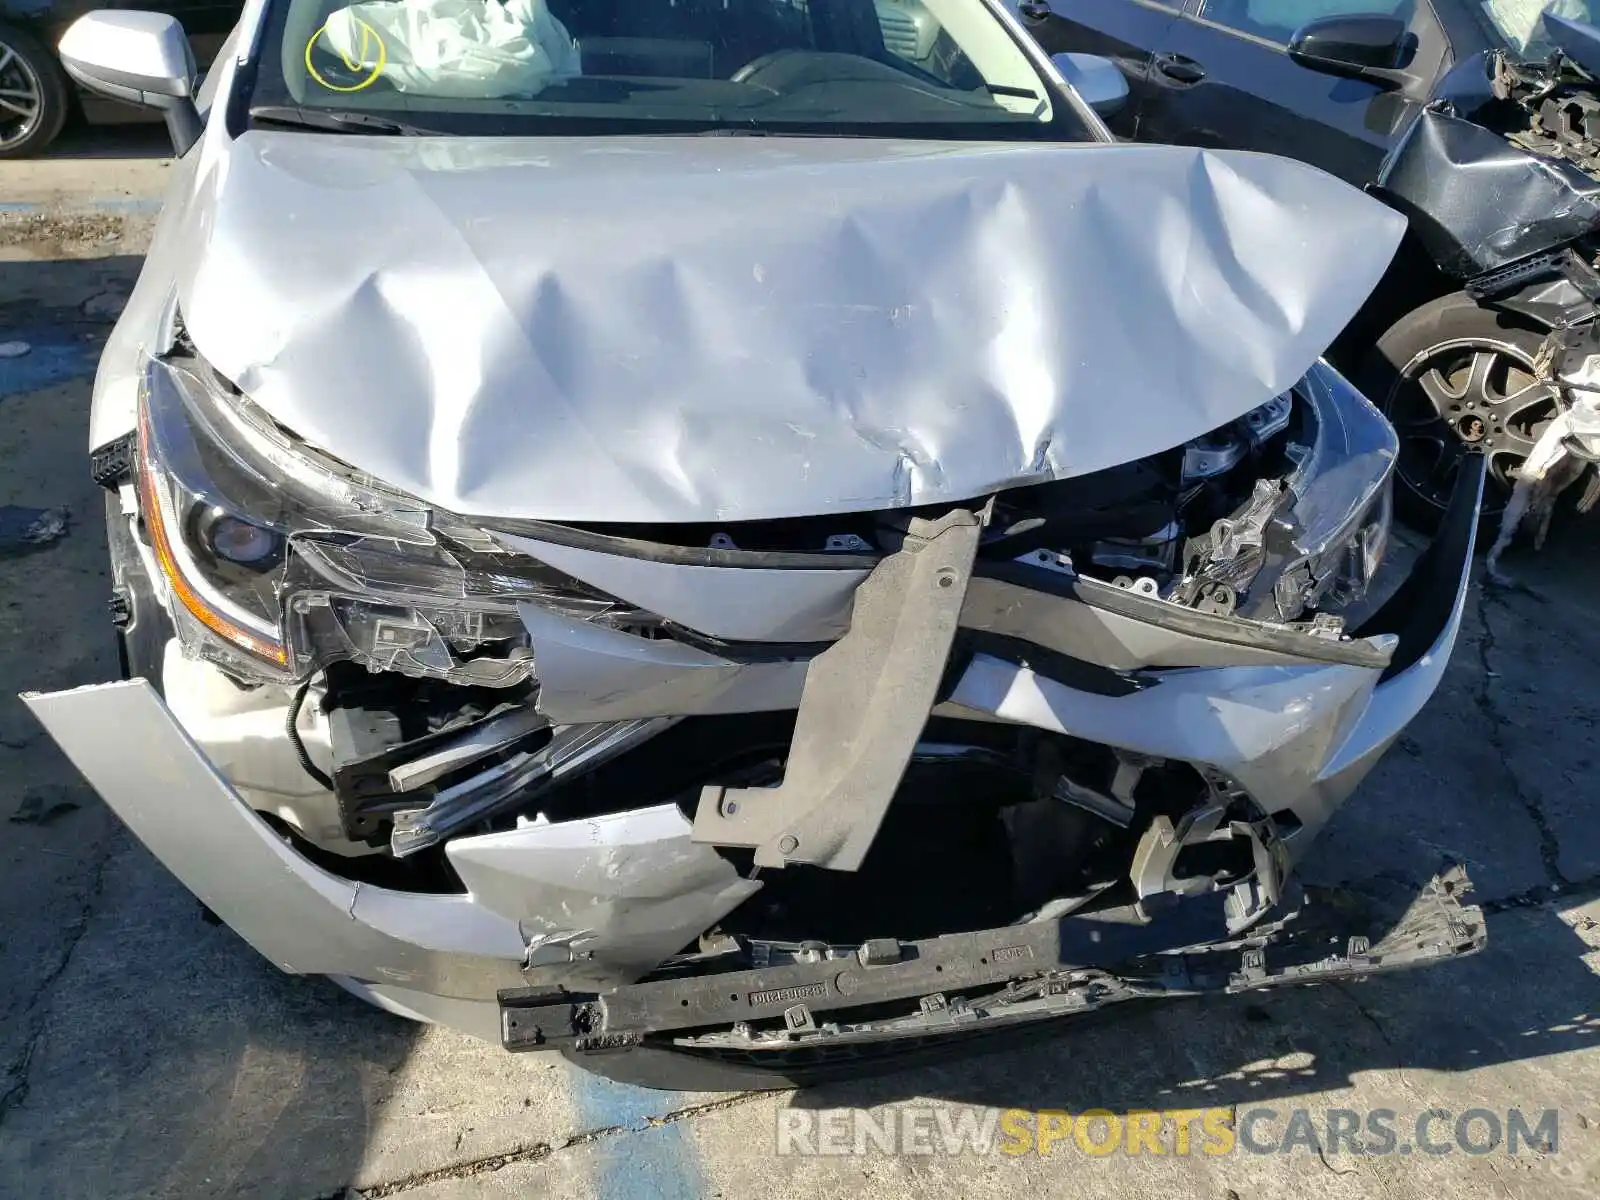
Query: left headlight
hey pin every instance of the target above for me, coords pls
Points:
(279, 560)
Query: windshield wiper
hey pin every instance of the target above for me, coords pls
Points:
(330, 120)
(739, 131)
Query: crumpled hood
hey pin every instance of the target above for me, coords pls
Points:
(686, 329)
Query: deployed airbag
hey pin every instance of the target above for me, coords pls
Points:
(466, 48)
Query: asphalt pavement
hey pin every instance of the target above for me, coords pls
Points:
(145, 1052)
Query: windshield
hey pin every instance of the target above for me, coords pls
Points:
(928, 68)
(1519, 22)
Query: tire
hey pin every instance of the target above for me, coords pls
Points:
(30, 77)
(1456, 378)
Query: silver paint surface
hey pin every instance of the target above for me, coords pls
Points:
(629, 888)
(588, 672)
(304, 919)
(656, 330)
(676, 329)
(751, 604)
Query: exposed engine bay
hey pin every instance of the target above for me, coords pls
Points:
(436, 725)
(1550, 108)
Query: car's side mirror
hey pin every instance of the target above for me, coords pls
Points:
(1103, 87)
(1368, 46)
(139, 57)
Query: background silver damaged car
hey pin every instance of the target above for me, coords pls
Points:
(661, 499)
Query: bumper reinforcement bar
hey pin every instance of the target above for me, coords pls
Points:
(1040, 970)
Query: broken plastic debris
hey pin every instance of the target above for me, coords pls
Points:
(23, 529)
(1559, 459)
(14, 349)
(41, 807)
(105, 306)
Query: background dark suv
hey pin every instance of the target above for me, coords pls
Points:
(1218, 72)
(36, 98)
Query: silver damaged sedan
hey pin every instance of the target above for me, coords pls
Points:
(737, 542)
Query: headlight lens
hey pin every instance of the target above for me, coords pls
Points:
(280, 561)
(237, 540)
(218, 603)
(1342, 492)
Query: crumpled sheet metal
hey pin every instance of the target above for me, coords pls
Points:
(676, 329)
(615, 893)
(1235, 718)
(590, 673)
(1479, 203)
(1274, 730)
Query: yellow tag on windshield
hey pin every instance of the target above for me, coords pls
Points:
(365, 65)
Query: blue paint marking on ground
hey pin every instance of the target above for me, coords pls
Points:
(111, 204)
(651, 1162)
(52, 357)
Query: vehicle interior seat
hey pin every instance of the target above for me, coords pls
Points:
(712, 38)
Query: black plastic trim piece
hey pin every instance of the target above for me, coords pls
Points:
(536, 1018)
(1420, 609)
(692, 556)
(142, 625)
(1071, 672)
(1505, 280)
(1045, 971)
(112, 464)
(1229, 631)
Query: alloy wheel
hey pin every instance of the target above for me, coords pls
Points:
(21, 97)
(1472, 396)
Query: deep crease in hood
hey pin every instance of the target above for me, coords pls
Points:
(682, 329)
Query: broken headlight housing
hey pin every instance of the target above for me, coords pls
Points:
(278, 560)
(1310, 535)
(1281, 515)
